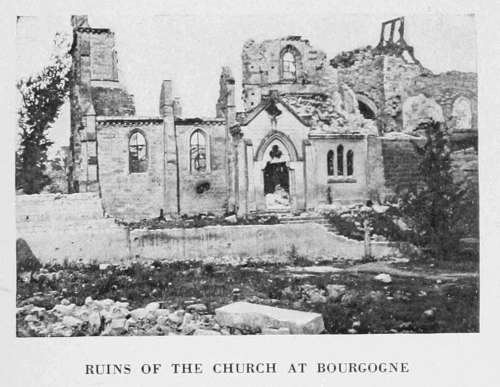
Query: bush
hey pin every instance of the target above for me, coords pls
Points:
(26, 260)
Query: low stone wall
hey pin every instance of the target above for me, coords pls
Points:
(273, 242)
(73, 227)
(69, 227)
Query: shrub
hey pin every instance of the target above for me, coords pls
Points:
(25, 259)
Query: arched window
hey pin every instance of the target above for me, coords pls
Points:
(289, 65)
(350, 162)
(137, 153)
(340, 160)
(329, 163)
(198, 151)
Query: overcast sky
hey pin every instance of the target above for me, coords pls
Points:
(190, 50)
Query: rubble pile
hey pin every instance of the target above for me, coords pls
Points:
(113, 318)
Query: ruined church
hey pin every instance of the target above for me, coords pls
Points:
(314, 131)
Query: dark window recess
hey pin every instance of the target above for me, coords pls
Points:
(350, 163)
(340, 160)
(203, 186)
(329, 163)
(366, 111)
(137, 153)
(198, 153)
(92, 160)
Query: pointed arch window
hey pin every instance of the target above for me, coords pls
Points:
(350, 162)
(340, 160)
(330, 163)
(137, 153)
(198, 151)
(289, 65)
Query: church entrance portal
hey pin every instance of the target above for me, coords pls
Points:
(276, 181)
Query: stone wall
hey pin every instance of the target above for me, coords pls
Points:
(400, 163)
(214, 198)
(94, 90)
(271, 242)
(445, 88)
(131, 196)
(112, 101)
(69, 227)
(366, 78)
(338, 188)
(72, 227)
(465, 166)
(262, 69)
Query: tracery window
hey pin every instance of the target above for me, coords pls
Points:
(329, 163)
(198, 151)
(137, 153)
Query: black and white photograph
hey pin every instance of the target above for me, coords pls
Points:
(250, 176)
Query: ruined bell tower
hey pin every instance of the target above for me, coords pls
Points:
(95, 91)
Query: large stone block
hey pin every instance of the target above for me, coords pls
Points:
(244, 315)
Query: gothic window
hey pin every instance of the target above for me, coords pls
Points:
(329, 163)
(289, 66)
(137, 153)
(198, 151)
(340, 160)
(350, 162)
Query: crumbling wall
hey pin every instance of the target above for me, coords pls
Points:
(94, 90)
(112, 102)
(262, 69)
(445, 89)
(365, 77)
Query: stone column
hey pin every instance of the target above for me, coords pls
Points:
(170, 178)
(308, 175)
(250, 177)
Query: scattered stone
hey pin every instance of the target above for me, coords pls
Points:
(64, 310)
(72, 322)
(231, 219)
(31, 318)
(152, 306)
(314, 269)
(385, 278)
(176, 317)
(198, 308)
(206, 332)
(116, 327)
(94, 320)
(244, 315)
(317, 298)
(139, 313)
(279, 331)
(335, 292)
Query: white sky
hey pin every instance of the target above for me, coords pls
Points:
(191, 50)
